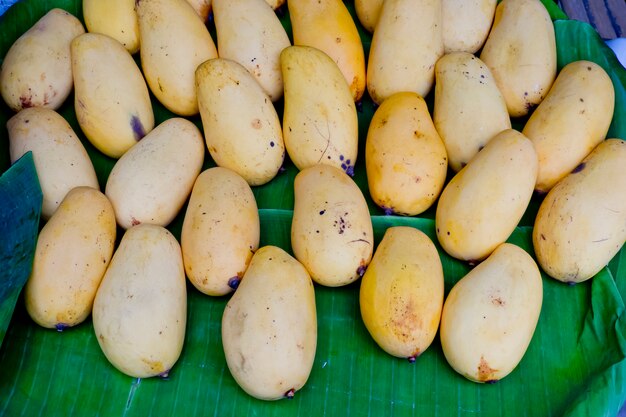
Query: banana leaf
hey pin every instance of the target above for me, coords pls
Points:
(573, 367)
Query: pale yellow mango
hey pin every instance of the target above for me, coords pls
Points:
(331, 231)
(483, 203)
(249, 32)
(573, 118)
(466, 24)
(368, 11)
(520, 51)
(328, 26)
(140, 310)
(61, 160)
(405, 159)
(73, 251)
(202, 8)
(152, 181)
(111, 99)
(269, 326)
(406, 44)
(115, 18)
(37, 69)
(490, 315)
(174, 42)
(469, 108)
(221, 231)
(241, 127)
(401, 294)
(320, 124)
(581, 224)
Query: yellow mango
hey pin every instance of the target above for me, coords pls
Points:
(221, 231)
(406, 44)
(241, 127)
(111, 99)
(174, 41)
(269, 326)
(401, 293)
(405, 159)
(320, 124)
(152, 181)
(520, 51)
(466, 24)
(368, 11)
(573, 118)
(469, 108)
(140, 310)
(202, 8)
(250, 33)
(328, 26)
(331, 231)
(37, 69)
(73, 251)
(61, 160)
(483, 203)
(581, 224)
(490, 315)
(115, 18)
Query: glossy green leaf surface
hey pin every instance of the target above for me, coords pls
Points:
(573, 367)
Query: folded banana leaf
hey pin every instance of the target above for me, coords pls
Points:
(574, 365)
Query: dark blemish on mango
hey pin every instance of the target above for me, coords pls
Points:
(290, 394)
(234, 282)
(338, 39)
(579, 168)
(581, 100)
(272, 144)
(322, 212)
(480, 148)
(341, 157)
(588, 68)
(360, 271)
(497, 301)
(61, 326)
(256, 123)
(485, 371)
(26, 101)
(137, 127)
(530, 106)
(448, 233)
(543, 237)
(134, 221)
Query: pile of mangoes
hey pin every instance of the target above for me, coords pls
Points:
(136, 291)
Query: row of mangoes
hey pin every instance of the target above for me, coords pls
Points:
(407, 156)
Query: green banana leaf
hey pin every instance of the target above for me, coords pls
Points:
(573, 367)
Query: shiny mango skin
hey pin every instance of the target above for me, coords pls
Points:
(221, 231)
(37, 69)
(469, 108)
(401, 294)
(61, 160)
(250, 33)
(174, 41)
(483, 203)
(115, 18)
(111, 99)
(466, 24)
(406, 44)
(320, 123)
(581, 224)
(572, 120)
(368, 12)
(140, 310)
(520, 51)
(152, 181)
(331, 231)
(241, 127)
(269, 326)
(73, 251)
(405, 159)
(490, 315)
(328, 26)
